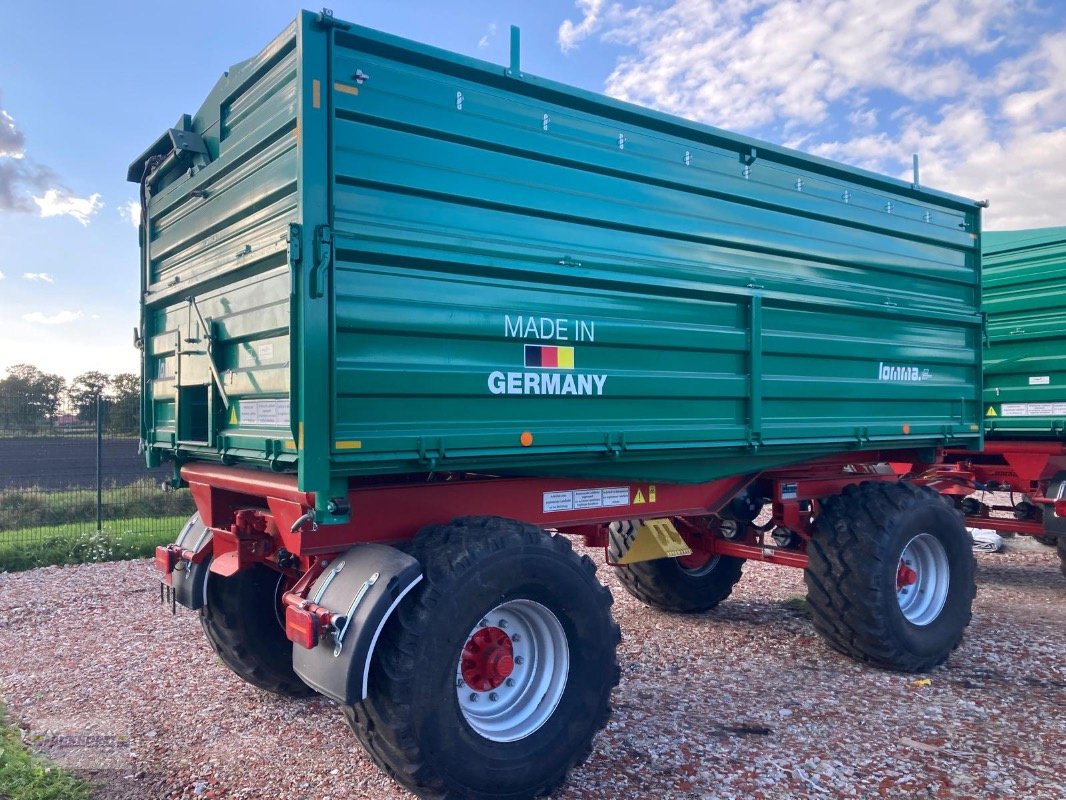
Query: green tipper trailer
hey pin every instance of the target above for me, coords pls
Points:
(389, 290)
(1025, 299)
(1024, 289)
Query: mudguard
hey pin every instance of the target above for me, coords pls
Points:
(188, 580)
(1056, 490)
(364, 586)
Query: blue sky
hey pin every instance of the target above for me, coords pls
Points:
(977, 87)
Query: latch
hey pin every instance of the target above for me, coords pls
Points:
(323, 257)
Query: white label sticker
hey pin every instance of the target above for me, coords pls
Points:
(558, 501)
(609, 497)
(1033, 410)
(266, 351)
(1040, 380)
(273, 412)
(588, 498)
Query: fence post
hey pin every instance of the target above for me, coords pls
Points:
(99, 466)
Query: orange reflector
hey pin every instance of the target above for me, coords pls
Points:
(164, 560)
(906, 427)
(301, 627)
(526, 439)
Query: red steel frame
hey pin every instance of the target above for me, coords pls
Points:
(1020, 467)
(257, 516)
(260, 517)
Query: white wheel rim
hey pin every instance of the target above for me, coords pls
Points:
(528, 693)
(923, 578)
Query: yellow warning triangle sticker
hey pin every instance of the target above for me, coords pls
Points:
(639, 498)
(233, 415)
(991, 412)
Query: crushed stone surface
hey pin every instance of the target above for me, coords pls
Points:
(743, 702)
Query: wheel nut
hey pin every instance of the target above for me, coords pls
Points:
(510, 681)
(516, 638)
(518, 659)
(483, 624)
(473, 697)
(502, 623)
(459, 682)
(494, 697)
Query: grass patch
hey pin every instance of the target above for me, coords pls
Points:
(35, 507)
(25, 776)
(81, 543)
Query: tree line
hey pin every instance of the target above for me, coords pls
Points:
(32, 401)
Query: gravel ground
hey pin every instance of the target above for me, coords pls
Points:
(744, 702)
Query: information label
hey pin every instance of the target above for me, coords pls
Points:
(580, 499)
(272, 412)
(1033, 410)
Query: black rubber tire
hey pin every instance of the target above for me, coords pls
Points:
(1048, 541)
(411, 723)
(1062, 555)
(242, 627)
(667, 585)
(851, 575)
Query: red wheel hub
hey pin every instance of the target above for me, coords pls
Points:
(697, 559)
(905, 576)
(487, 660)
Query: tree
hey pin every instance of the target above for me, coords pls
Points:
(29, 398)
(84, 390)
(124, 416)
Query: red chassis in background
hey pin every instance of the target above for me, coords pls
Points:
(1032, 472)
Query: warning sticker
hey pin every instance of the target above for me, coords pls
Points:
(1039, 380)
(273, 412)
(991, 412)
(1033, 409)
(577, 499)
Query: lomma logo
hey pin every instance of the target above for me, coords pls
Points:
(901, 374)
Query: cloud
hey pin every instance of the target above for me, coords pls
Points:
(20, 179)
(490, 34)
(59, 202)
(25, 184)
(39, 276)
(571, 34)
(1, 276)
(12, 141)
(59, 318)
(977, 87)
(131, 212)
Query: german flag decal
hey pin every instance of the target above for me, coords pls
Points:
(546, 357)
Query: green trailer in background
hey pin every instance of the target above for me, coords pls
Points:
(405, 311)
(1024, 296)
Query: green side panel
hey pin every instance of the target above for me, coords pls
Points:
(492, 272)
(703, 315)
(215, 272)
(1025, 364)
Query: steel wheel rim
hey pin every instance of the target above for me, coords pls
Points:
(923, 578)
(531, 690)
(703, 569)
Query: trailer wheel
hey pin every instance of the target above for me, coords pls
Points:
(685, 585)
(890, 578)
(492, 677)
(242, 623)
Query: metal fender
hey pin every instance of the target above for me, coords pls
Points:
(1056, 491)
(363, 586)
(188, 580)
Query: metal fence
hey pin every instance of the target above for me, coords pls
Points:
(74, 488)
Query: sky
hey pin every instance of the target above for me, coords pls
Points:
(976, 87)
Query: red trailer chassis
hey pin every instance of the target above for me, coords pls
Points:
(262, 517)
(1033, 470)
